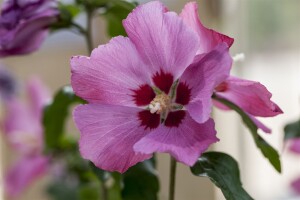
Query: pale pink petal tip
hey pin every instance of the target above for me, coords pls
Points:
(209, 38)
(251, 96)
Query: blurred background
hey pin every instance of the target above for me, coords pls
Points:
(267, 32)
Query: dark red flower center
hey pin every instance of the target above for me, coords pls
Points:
(222, 87)
(163, 101)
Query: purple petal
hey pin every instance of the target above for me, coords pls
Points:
(23, 130)
(39, 96)
(27, 38)
(252, 97)
(111, 74)
(23, 29)
(259, 124)
(209, 38)
(207, 71)
(162, 38)
(23, 173)
(296, 185)
(185, 142)
(18, 117)
(295, 146)
(108, 134)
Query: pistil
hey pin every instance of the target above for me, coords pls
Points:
(160, 104)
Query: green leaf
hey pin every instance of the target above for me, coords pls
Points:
(67, 13)
(62, 190)
(115, 13)
(55, 116)
(92, 4)
(223, 171)
(141, 182)
(111, 182)
(89, 192)
(114, 191)
(102, 175)
(267, 150)
(292, 130)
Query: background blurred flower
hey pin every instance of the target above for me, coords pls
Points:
(147, 93)
(296, 185)
(294, 146)
(24, 25)
(23, 131)
(7, 84)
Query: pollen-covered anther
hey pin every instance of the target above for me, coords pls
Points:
(161, 103)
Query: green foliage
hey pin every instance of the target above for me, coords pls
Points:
(92, 4)
(223, 171)
(70, 188)
(89, 192)
(55, 117)
(67, 13)
(141, 182)
(292, 130)
(102, 175)
(267, 150)
(115, 190)
(62, 190)
(116, 11)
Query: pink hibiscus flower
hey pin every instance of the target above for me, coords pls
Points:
(295, 145)
(252, 97)
(23, 130)
(150, 92)
(296, 185)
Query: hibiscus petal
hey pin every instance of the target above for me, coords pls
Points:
(23, 173)
(111, 74)
(259, 124)
(209, 38)
(27, 36)
(22, 129)
(207, 71)
(296, 185)
(108, 133)
(18, 117)
(28, 45)
(39, 96)
(162, 38)
(252, 97)
(185, 142)
(295, 146)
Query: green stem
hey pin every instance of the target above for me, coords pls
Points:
(79, 28)
(172, 179)
(104, 191)
(88, 33)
